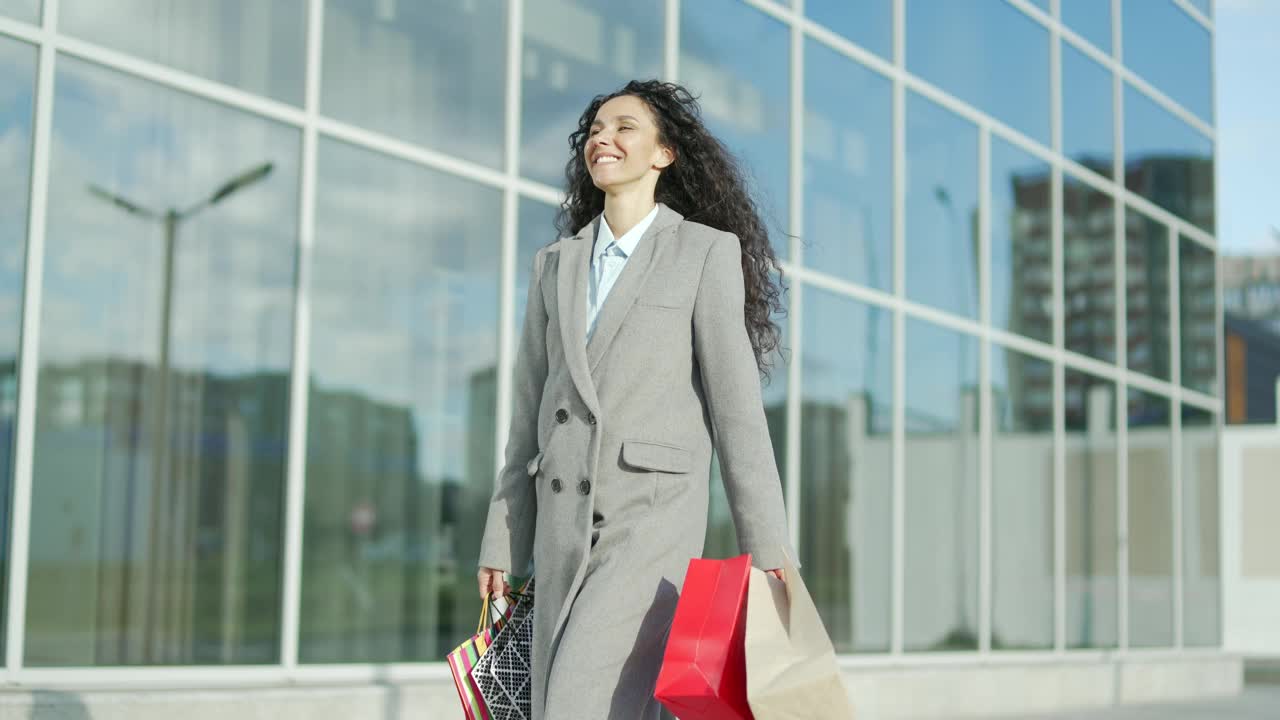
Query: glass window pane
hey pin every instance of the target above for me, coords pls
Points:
(17, 78)
(722, 538)
(574, 50)
(1147, 295)
(1201, 577)
(1091, 19)
(1089, 273)
(868, 23)
(431, 72)
(24, 10)
(1204, 6)
(1197, 314)
(1021, 242)
(1088, 131)
(848, 156)
(941, 489)
(401, 422)
(1092, 580)
(1150, 521)
(535, 229)
(255, 46)
(1167, 161)
(846, 512)
(949, 44)
(162, 424)
(1022, 506)
(1170, 50)
(942, 208)
(737, 60)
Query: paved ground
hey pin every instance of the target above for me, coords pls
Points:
(1257, 702)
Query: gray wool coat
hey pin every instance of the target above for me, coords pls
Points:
(605, 479)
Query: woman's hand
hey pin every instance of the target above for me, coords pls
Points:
(492, 580)
(778, 573)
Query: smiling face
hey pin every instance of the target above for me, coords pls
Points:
(622, 147)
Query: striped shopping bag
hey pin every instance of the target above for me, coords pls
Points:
(464, 657)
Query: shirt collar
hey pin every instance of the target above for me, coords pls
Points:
(629, 240)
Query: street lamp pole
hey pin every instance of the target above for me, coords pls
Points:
(170, 220)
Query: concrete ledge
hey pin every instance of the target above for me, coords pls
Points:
(882, 689)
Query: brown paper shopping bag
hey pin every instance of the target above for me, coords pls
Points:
(791, 665)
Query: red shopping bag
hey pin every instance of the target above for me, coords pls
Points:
(704, 675)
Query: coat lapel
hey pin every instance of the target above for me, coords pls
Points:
(571, 300)
(632, 278)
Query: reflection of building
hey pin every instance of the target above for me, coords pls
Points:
(1251, 298)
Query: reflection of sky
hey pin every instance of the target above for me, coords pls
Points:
(868, 23)
(233, 265)
(1150, 130)
(942, 202)
(253, 45)
(26, 10)
(17, 75)
(1170, 50)
(736, 58)
(942, 364)
(1248, 113)
(1091, 19)
(1087, 113)
(847, 159)
(413, 319)
(427, 72)
(988, 54)
(573, 51)
(856, 361)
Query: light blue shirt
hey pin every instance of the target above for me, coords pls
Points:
(608, 257)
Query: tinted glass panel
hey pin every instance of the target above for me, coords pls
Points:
(949, 44)
(535, 229)
(431, 71)
(942, 208)
(166, 345)
(401, 420)
(1147, 295)
(25, 10)
(737, 60)
(868, 23)
(17, 78)
(1088, 132)
(846, 467)
(1150, 521)
(1021, 242)
(1022, 506)
(1089, 272)
(1092, 580)
(1170, 50)
(255, 46)
(574, 50)
(1167, 161)
(1201, 576)
(1197, 314)
(941, 598)
(848, 155)
(1091, 19)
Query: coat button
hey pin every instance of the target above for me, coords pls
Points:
(562, 416)
(591, 418)
(584, 487)
(555, 485)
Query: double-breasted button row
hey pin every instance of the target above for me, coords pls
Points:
(555, 485)
(562, 416)
(584, 486)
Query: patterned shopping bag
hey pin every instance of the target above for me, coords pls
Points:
(464, 657)
(502, 673)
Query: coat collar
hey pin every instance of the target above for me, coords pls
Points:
(571, 290)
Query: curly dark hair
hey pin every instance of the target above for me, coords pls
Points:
(705, 183)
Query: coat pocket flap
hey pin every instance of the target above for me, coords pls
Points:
(652, 456)
(534, 464)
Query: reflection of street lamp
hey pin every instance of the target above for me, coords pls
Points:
(171, 218)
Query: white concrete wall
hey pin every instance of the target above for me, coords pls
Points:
(1251, 540)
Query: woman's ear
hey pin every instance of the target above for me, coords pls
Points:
(666, 156)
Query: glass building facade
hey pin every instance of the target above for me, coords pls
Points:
(262, 266)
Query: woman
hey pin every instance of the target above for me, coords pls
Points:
(616, 403)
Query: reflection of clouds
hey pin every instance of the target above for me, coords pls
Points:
(233, 267)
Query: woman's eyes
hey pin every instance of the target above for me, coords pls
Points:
(624, 127)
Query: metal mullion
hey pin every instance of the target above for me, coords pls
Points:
(671, 41)
(796, 311)
(985, 431)
(299, 393)
(29, 350)
(898, 448)
(1175, 428)
(22, 31)
(1195, 14)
